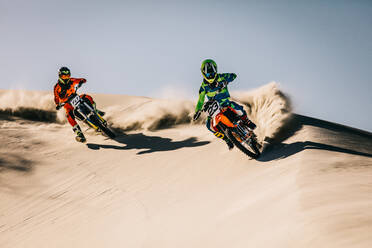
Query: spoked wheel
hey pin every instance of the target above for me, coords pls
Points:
(103, 128)
(249, 149)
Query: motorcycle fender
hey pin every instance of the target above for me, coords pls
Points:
(222, 118)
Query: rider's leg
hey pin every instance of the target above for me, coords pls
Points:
(79, 134)
(243, 115)
(71, 119)
(218, 134)
(93, 104)
(70, 114)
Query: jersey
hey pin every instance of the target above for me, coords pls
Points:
(211, 90)
(62, 91)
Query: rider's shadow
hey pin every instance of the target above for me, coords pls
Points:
(281, 151)
(151, 144)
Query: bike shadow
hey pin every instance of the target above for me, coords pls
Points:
(281, 151)
(359, 141)
(148, 144)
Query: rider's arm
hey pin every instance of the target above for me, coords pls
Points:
(76, 81)
(200, 103)
(56, 94)
(82, 80)
(228, 77)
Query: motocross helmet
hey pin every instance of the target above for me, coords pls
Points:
(209, 70)
(64, 74)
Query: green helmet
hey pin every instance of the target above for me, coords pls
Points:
(209, 70)
(64, 75)
(64, 71)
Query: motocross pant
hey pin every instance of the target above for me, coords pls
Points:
(70, 110)
(239, 110)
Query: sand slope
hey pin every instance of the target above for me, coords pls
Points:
(181, 187)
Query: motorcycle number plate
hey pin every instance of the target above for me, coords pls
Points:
(75, 101)
(213, 110)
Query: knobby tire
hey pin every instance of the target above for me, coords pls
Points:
(241, 147)
(103, 128)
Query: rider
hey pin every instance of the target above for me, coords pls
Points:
(215, 85)
(63, 89)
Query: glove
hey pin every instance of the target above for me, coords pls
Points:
(207, 104)
(58, 107)
(83, 80)
(196, 115)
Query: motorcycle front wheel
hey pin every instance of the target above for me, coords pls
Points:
(250, 150)
(102, 127)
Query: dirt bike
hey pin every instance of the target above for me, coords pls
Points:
(228, 122)
(84, 111)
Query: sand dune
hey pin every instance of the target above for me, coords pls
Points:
(165, 182)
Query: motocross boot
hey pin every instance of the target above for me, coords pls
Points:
(228, 142)
(79, 134)
(247, 122)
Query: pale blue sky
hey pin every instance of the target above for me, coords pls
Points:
(320, 51)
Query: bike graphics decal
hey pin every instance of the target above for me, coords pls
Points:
(75, 101)
(213, 109)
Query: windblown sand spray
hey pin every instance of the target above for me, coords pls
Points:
(151, 114)
(32, 105)
(268, 107)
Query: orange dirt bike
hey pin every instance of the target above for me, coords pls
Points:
(84, 111)
(228, 122)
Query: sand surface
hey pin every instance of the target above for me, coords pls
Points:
(167, 183)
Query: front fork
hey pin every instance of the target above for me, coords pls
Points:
(246, 135)
(88, 116)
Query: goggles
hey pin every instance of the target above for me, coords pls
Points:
(65, 76)
(210, 75)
